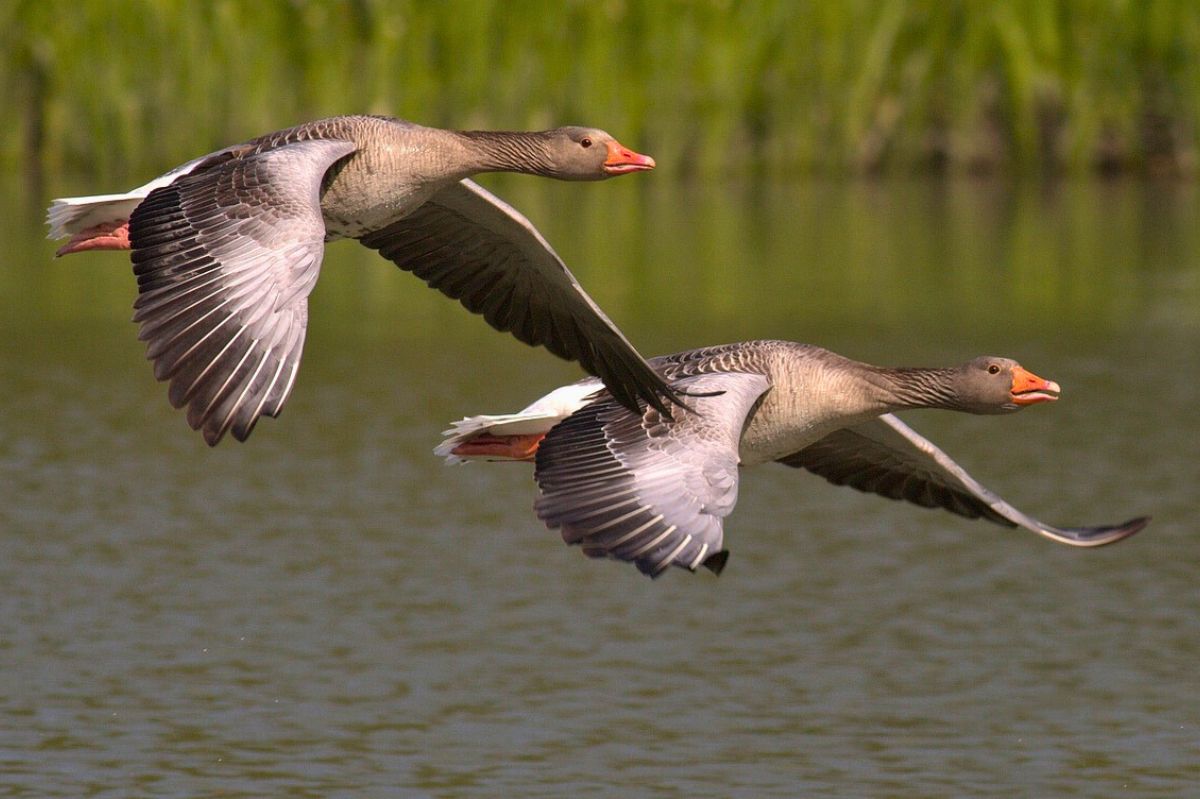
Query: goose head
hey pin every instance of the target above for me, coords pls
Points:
(577, 153)
(990, 384)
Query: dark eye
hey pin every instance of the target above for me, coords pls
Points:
(585, 142)
(993, 369)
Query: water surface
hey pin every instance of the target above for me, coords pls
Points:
(328, 611)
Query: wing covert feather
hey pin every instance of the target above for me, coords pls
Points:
(225, 259)
(646, 488)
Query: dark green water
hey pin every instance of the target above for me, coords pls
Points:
(328, 611)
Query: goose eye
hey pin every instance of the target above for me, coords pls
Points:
(993, 369)
(585, 142)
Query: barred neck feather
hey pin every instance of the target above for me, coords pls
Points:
(922, 388)
(527, 152)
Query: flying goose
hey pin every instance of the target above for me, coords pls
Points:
(655, 490)
(227, 247)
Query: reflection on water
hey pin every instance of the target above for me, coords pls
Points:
(328, 611)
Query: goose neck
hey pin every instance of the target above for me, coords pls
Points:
(915, 387)
(508, 151)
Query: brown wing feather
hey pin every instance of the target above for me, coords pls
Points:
(889, 458)
(847, 458)
(473, 247)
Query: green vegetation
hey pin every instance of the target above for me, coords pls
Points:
(709, 87)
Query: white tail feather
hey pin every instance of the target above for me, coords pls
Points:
(67, 216)
(539, 417)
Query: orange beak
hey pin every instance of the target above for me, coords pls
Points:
(621, 160)
(1029, 389)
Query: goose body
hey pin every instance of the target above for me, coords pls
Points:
(655, 490)
(227, 247)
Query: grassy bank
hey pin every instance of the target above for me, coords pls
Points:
(845, 86)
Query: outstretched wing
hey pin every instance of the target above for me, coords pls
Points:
(646, 488)
(474, 247)
(889, 458)
(225, 260)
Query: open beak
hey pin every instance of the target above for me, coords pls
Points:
(621, 160)
(1029, 389)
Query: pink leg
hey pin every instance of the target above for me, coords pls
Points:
(105, 236)
(518, 448)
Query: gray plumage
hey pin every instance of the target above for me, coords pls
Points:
(227, 248)
(644, 489)
(655, 490)
(225, 260)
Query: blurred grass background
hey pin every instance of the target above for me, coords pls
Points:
(710, 87)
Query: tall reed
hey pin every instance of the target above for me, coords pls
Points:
(709, 86)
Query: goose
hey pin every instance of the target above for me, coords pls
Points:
(227, 247)
(654, 490)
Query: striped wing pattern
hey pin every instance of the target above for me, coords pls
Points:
(887, 457)
(225, 259)
(646, 488)
(475, 248)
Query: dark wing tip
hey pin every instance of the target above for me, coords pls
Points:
(1124, 530)
(1102, 536)
(1135, 525)
(716, 561)
(656, 392)
(674, 398)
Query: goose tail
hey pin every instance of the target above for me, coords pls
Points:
(513, 436)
